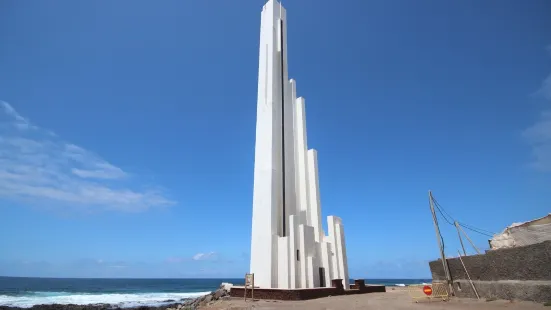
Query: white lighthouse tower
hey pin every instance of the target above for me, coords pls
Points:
(289, 248)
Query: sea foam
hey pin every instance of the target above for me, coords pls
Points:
(121, 300)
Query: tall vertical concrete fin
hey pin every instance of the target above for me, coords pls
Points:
(278, 67)
(286, 108)
(266, 219)
(316, 263)
(298, 245)
(293, 263)
(306, 255)
(311, 272)
(326, 262)
(302, 164)
(275, 263)
(290, 158)
(314, 204)
(301, 256)
(283, 262)
(340, 260)
(291, 98)
(334, 249)
(341, 248)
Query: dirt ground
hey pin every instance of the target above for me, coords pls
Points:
(391, 300)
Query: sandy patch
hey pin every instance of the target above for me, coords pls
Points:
(397, 299)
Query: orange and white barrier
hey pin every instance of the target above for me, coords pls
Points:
(436, 290)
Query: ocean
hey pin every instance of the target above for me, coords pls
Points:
(27, 292)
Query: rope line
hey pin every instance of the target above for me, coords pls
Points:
(482, 233)
(445, 216)
(475, 228)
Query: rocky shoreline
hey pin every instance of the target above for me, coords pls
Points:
(222, 292)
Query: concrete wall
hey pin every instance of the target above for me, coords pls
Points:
(522, 273)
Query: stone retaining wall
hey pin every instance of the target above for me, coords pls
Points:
(522, 273)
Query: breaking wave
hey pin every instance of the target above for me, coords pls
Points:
(30, 299)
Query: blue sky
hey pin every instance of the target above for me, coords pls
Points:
(127, 129)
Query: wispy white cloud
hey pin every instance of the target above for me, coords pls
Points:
(539, 134)
(36, 165)
(539, 137)
(204, 256)
(18, 120)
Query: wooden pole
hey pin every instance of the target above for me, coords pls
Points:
(440, 245)
(468, 276)
(460, 239)
(246, 280)
(474, 246)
